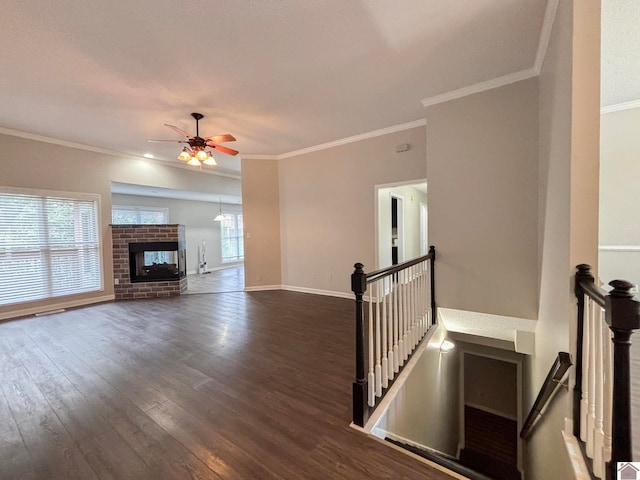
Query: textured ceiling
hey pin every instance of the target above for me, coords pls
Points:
(620, 51)
(280, 75)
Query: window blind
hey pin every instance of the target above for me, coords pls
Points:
(49, 247)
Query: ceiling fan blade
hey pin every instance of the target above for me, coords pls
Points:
(227, 137)
(179, 130)
(172, 141)
(220, 148)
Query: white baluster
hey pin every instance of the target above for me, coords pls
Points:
(400, 320)
(414, 305)
(598, 465)
(371, 377)
(396, 324)
(385, 364)
(584, 402)
(423, 325)
(390, 339)
(405, 315)
(608, 394)
(378, 370)
(591, 418)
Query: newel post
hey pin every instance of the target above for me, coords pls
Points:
(623, 316)
(582, 275)
(360, 406)
(432, 260)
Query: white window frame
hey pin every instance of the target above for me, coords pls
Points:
(239, 238)
(47, 248)
(138, 210)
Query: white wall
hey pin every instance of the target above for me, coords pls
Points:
(327, 206)
(197, 217)
(620, 196)
(62, 168)
(412, 197)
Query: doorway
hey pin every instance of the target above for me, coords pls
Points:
(397, 230)
(401, 222)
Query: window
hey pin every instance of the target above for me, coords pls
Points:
(124, 215)
(232, 238)
(49, 245)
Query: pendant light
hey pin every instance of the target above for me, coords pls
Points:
(220, 216)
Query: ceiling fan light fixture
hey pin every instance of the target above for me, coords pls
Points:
(210, 160)
(198, 151)
(185, 156)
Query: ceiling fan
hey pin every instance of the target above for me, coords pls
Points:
(199, 150)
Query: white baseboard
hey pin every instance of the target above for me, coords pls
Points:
(23, 312)
(579, 466)
(316, 291)
(260, 288)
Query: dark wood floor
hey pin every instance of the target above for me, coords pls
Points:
(232, 386)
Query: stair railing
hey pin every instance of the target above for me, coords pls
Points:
(602, 392)
(400, 310)
(549, 386)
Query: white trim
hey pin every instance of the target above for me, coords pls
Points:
(576, 459)
(23, 312)
(480, 87)
(257, 156)
(534, 71)
(316, 291)
(545, 34)
(105, 151)
(384, 404)
(619, 248)
(261, 288)
(90, 197)
(618, 107)
(355, 138)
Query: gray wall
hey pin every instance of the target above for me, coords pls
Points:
(482, 170)
(327, 206)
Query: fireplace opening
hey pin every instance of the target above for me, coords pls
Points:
(156, 261)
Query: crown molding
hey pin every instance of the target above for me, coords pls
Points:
(545, 34)
(480, 87)
(355, 138)
(64, 143)
(257, 156)
(105, 151)
(618, 107)
(534, 71)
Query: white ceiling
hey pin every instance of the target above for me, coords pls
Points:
(620, 64)
(280, 75)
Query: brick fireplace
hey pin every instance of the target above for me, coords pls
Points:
(149, 261)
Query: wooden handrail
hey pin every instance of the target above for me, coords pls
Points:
(554, 378)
